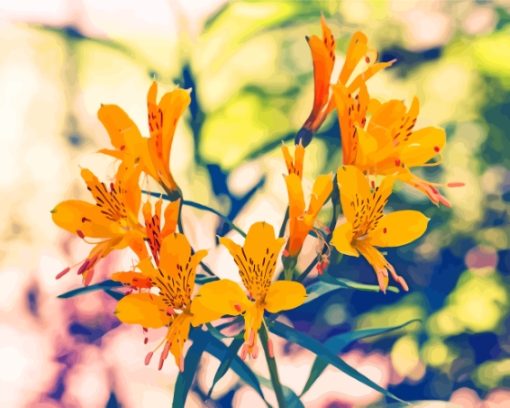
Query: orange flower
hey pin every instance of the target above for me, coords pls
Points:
(366, 226)
(323, 57)
(387, 143)
(172, 306)
(256, 261)
(113, 218)
(294, 164)
(302, 219)
(156, 234)
(155, 151)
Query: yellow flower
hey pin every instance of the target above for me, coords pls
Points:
(323, 55)
(366, 226)
(172, 306)
(113, 218)
(154, 152)
(387, 143)
(256, 261)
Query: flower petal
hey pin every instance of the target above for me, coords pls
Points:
(353, 187)
(217, 299)
(398, 228)
(145, 309)
(321, 191)
(284, 295)
(422, 146)
(84, 219)
(296, 196)
(116, 122)
(342, 240)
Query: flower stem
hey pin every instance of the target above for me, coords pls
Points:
(284, 223)
(273, 369)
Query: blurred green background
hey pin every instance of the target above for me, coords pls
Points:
(251, 74)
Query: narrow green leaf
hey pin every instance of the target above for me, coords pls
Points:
(273, 368)
(339, 342)
(107, 284)
(326, 355)
(203, 279)
(225, 362)
(114, 294)
(291, 398)
(218, 350)
(185, 378)
(349, 284)
(329, 284)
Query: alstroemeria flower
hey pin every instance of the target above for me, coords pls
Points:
(113, 218)
(172, 306)
(302, 219)
(256, 261)
(358, 57)
(386, 143)
(154, 152)
(367, 227)
(155, 234)
(294, 163)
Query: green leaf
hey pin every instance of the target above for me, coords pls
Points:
(225, 362)
(203, 279)
(328, 284)
(107, 284)
(218, 350)
(291, 398)
(326, 355)
(339, 342)
(185, 378)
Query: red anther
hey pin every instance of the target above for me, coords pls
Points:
(166, 349)
(60, 274)
(285, 252)
(255, 352)
(145, 340)
(456, 184)
(148, 358)
(161, 362)
(84, 266)
(270, 348)
(397, 162)
(80, 234)
(367, 60)
(372, 183)
(170, 311)
(437, 149)
(238, 307)
(444, 201)
(244, 352)
(385, 230)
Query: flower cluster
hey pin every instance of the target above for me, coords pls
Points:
(379, 146)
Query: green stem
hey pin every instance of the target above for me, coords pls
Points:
(284, 223)
(273, 369)
(308, 269)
